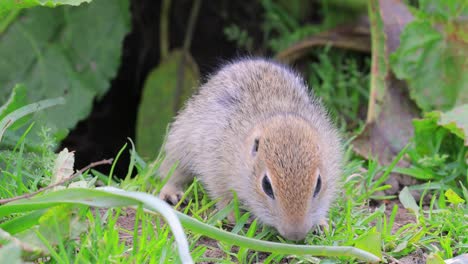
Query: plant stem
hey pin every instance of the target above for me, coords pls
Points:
(164, 29)
(279, 248)
(185, 53)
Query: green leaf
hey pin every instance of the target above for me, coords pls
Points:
(433, 64)
(453, 197)
(21, 223)
(408, 201)
(370, 242)
(11, 5)
(161, 100)
(71, 52)
(427, 134)
(415, 172)
(456, 121)
(10, 253)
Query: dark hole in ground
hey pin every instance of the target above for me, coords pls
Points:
(113, 117)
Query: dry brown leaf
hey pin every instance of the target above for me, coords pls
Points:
(389, 119)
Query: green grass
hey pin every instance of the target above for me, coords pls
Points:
(341, 80)
(363, 215)
(134, 236)
(24, 170)
(436, 223)
(350, 218)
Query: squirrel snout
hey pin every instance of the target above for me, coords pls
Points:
(294, 232)
(295, 236)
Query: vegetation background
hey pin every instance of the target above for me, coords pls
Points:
(96, 76)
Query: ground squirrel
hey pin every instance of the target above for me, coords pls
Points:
(253, 128)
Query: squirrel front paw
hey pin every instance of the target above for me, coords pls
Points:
(322, 226)
(171, 194)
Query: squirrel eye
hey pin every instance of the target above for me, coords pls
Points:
(318, 186)
(266, 185)
(255, 146)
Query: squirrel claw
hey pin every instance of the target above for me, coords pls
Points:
(321, 227)
(323, 224)
(171, 195)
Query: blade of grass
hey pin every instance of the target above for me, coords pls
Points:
(111, 173)
(26, 110)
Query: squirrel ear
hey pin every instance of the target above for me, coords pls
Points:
(255, 147)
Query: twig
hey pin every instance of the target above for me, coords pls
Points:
(185, 53)
(28, 195)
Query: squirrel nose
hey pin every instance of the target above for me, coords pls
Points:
(295, 235)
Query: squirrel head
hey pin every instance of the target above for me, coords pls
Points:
(291, 187)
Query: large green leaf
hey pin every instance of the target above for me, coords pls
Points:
(13, 5)
(433, 57)
(161, 100)
(69, 51)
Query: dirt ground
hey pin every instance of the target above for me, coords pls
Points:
(402, 218)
